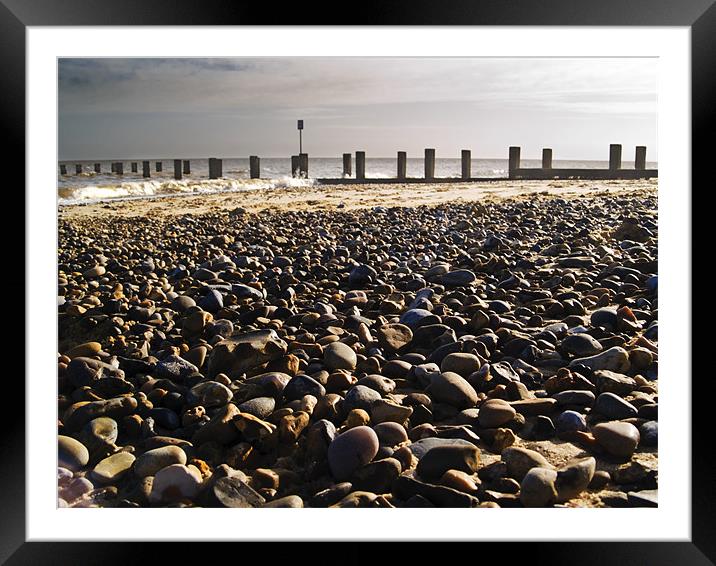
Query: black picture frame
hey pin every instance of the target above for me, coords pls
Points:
(699, 15)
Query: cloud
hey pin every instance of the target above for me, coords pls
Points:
(220, 85)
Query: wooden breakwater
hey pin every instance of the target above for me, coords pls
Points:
(300, 162)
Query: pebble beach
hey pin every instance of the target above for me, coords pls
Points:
(385, 346)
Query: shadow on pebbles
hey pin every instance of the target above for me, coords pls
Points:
(462, 355)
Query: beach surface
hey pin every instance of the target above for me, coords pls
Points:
(332, 197)
(481, 345)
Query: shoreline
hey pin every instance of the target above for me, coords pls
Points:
(353, 196)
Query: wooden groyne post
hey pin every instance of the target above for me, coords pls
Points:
(360, 164)
(97, 167)
(158, 166)
(119, 168)
(254, 167)
(466, 164)
(303, 164)
(347, 165)
(78, 168)
(429, 163)
(63, 169)
(640, 158)
(145, 169)
(615, 156)
(177, 168)
(187, 167)
(134, 166)
(546, 158)
(402, 165)
(295, 168)
(215, 168)
(514, 162)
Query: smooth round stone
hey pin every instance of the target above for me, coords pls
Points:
(302, 385)
(175, 483)
(182, 303)
(618, 438)
(412, 317)
(288, 502)
(77, 488)
(100, 431)
(440, 459)
(112, 468)
(390, 433)
(212, 301)
(149, 463)
(421, 447)
(460, 363)
(383, 410)
(174, 368)
(63, 475)
(495, 413)
(88, 349)
(458, 278)
(537, 488)
(210, 394)
(574, 478)
(453, 390)
(581, 345)
(381, 384)
(362, 275)
(361, 397)
(260, 407)
(606, 317)
(338, 355)
(392, 337)
(357, 417)
(96, 271)
(351, 450)
(614, 359)
(570, 421)
(575, 397)
(72, 454)
(614, 407)
(520, 460)
(649, 432)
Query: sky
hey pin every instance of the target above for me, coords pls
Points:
(180, 108)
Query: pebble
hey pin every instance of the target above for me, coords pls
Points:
(438, 460)
(252, 342)
(453, 390)
(149, 463)
(537, 488)
(72, 454)
(520, 460)
(393, 337)
(175, 483)
(614, 359)
(495, 413)
(339, 356)
(390, 433)
(350, 450)
(614, 407)
(618, 438)
(581, 345)
(112, 468)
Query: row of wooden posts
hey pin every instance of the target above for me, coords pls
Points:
(181, 167)
(299, 166)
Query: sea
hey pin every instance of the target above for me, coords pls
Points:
(88, 186)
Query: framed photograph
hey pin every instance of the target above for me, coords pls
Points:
(398, 280)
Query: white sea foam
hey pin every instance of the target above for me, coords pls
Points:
(160, 188)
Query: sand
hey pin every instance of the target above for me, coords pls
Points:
(346, 197)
